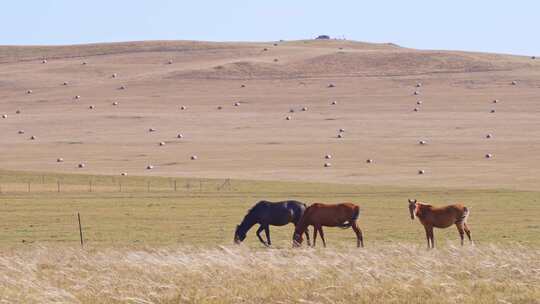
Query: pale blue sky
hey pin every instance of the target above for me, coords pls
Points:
(476, 25)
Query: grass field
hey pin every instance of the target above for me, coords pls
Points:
(207, 216)
(166, 246)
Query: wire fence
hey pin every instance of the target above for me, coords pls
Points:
(48, 184)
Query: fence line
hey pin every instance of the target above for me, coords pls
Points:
(65, 186)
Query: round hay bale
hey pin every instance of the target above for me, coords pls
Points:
(492, 111)
(44, 61)
(416, 109)
(419, 102)
(489, 135)
(219, 107)
(495, 100)
(488, 155)
(183, 108)
(152, 130)
(29, 92)
(170, 61)
(327, 165)
(81, 165)
(265, 49)
(291, 110)
(20, 131)
(162, 143)
(149, 167)
(422, 142)
(114, 75)
(18, 112)
(421, 171)
(341, 130)
(237, 104)
(328, 156)
(59, 160)
(115, 103)
(276, 60)
(334, 103)
(416, 93)
(533, 57)
(419, 84)
(4, 116)
(33, 137)
(340, 135)
(514, 82)
(275, 44)
(304, 109)
(124, 174)
(122, 87)
(369, 161)
(331, 85)
(194, 157)
(77, 97)
(65, 83)
(84, 63)
(243, 86)
(91, 107)
(179, 135)
(288, 118)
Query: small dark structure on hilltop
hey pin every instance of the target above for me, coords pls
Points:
(323, 37)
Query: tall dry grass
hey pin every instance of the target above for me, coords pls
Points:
(400, 273)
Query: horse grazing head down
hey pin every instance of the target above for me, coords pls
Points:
(297, 239)
(412, 208)
(239, 235)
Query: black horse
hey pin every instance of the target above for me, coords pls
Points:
(267, 213)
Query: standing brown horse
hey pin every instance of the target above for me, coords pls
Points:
(319, 215)
(440, 217)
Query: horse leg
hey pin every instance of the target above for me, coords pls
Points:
(359, 237)
(267, 232)
(432, 236)
(468, 232)
(461, 232)
(314, 235)
(322, 236)
(307, 237)
(427, 237)
(261, 228)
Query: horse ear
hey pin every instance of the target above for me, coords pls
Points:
(412, 201)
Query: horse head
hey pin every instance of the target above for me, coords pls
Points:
(297, 239)
(239, 235)
(412, 208)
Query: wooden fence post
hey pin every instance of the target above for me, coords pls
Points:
(80, 229)
(58, 185)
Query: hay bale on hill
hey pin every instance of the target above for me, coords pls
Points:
(4, 116)
(149, 167)
(488, 155)
(328, 156)
(421, 171)
(369, 161)
(59, 160)
(183, 108)
(288, 118)
(29, 92)
(81, 165)
(327, 165)
(33, 137)
(179, 135)
(331, 85)
(489, 135)
(304, 109)
(194, 157)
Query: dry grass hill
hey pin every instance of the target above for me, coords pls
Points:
(65, 95)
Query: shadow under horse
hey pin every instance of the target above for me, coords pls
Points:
(268, 214)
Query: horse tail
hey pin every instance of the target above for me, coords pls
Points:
(463, 218)
(353, 219)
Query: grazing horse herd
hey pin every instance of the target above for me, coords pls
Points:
(344, 216)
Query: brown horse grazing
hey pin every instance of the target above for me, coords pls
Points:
(440, 217)
(319, 215)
